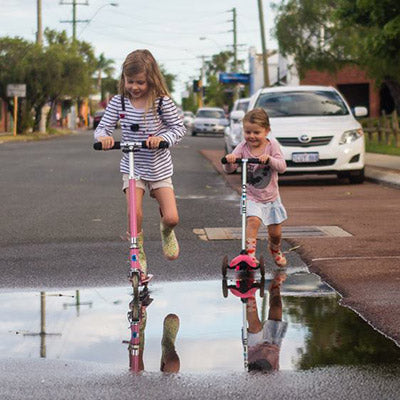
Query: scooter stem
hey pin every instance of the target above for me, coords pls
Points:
(244, 201)
(132, 200)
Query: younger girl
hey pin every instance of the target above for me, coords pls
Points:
(264, 203)
(146, 112)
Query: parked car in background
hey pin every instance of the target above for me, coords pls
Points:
(233, 133)
(316, 129)
(98, 115)
(241, 104)
(209, 120)
(188, 119)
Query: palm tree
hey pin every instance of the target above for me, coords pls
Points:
(104, 66)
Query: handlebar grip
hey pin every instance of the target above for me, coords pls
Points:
(162, 145)
(99, 146)
(240, 160)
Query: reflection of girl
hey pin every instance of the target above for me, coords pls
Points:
(264, 339)
(264, 203)
(169, 357)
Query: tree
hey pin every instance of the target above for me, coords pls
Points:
(306, 30)
(219, 94)
(377, 27)
(61, 67)
(103, 65)
(327, 34)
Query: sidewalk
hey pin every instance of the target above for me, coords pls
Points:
(382, 168)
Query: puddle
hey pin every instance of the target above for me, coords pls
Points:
(90, 325)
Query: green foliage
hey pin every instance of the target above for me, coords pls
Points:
(219, 94)
(61, 67)
(169, 78)
(326, 34)
(306, 30)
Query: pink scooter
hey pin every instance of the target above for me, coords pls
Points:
(141, 296)
(243, 262)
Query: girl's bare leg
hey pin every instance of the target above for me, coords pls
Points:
(252, 227)
(274, 239)
(167, 202)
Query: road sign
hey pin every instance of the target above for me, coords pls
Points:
(16, 90)
(234, 77)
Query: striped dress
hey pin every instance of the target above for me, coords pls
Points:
(150, 164)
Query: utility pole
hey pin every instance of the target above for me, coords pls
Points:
(74, 21)
(263, 44)
(39, 33)
(200, 98)
(234, 39)
(235, 45)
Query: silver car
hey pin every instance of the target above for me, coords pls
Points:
(210, 120)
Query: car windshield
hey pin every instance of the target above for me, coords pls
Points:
(301, 103)
(210, 114)
(243, 106)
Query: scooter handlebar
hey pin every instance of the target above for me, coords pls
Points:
(240, 160)
(117, 145)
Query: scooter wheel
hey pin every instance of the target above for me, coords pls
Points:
(262, 266)
(262, 286)
(224, 288)
(224, 266)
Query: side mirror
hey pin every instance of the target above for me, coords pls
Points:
(360, 111)
(237, 115)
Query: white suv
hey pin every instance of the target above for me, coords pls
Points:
(316, 129)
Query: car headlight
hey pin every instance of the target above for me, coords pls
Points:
(351, 136)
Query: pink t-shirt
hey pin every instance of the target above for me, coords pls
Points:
(262, 179)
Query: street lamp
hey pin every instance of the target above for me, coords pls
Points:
(88, 21)
(214, 41)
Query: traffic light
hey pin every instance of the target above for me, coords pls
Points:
(205, 90)
(196, 86)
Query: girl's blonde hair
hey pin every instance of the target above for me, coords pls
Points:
(140, 61)
(257, 116)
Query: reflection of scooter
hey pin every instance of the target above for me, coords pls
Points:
(243, 262)
(244, 286)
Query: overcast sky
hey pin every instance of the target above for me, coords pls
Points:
(171, 29)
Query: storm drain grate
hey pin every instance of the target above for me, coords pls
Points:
(287, 232)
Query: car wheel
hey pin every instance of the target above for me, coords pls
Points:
(357, 177)
(194, 133)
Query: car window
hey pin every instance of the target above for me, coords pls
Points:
(210, 114)
(294, 104)
(243, 105)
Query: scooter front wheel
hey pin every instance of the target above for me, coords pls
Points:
(224, 265)
(224, 288)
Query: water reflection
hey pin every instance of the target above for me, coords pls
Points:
(265, 336)
(319, 332)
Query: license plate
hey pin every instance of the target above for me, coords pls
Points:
(305, 157)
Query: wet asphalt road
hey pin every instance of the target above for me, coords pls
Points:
(62, 214)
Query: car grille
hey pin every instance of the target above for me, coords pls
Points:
(320, 163)
(295, 142)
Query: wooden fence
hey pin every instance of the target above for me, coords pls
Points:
(383, 130)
